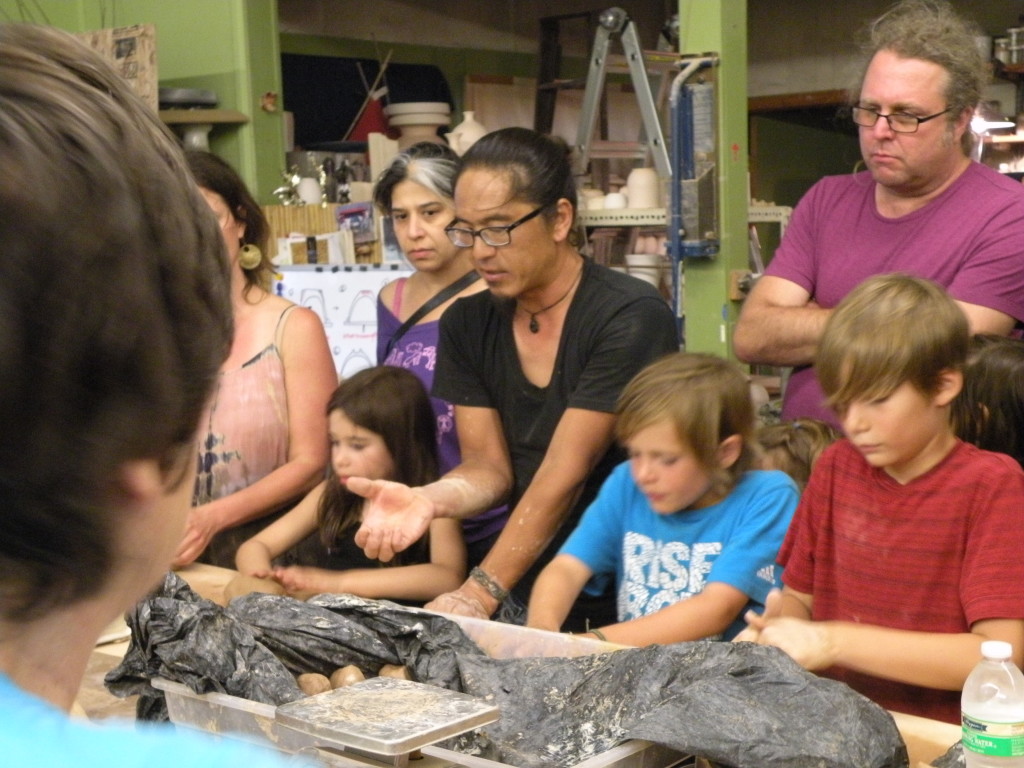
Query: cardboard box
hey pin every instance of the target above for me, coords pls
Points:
(132, 52)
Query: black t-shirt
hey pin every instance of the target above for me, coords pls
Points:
(615, 326)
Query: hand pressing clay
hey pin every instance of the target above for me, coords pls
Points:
(395, 671)
(243, 585)
(346, 676)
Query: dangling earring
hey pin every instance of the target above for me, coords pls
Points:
(250, 256)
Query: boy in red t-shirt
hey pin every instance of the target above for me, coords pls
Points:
(905, 551)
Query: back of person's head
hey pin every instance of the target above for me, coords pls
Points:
(931, 30)
(393, 403)
(704, 397)
(889, 330)
(427, 163)
(989, 411)
(114, 312)
(793, 446)
(216, 175)
(536, 165)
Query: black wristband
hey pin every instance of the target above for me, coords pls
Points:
(494, 589)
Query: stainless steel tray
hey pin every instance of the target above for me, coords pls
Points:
(385, 716)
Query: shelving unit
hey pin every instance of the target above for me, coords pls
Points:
(1015, 138)
(624, 217)
(770, 214)
(201, 116)
(195, 125)
(1013, 73)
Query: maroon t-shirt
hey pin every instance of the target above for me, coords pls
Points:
(969, 239)
(935, 555)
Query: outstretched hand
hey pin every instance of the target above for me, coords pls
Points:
(395, 517)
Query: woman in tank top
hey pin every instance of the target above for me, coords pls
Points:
(263, 440)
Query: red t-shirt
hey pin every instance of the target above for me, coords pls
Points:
(935, 555)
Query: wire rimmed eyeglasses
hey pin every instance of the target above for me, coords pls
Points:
(496, 237)
(900, 122)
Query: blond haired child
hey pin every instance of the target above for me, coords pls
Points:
(687, 529)
(904, 554)
(793, 446)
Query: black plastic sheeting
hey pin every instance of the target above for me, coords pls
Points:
(736, 704)
(953, 757)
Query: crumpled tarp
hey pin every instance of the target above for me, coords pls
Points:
(737, 704)
(254, 648)
(951, 758)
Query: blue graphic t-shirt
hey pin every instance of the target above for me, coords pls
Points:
(658, 560)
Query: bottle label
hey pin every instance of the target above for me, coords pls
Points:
(985, 737)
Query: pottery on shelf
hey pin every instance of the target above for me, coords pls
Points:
(646, 266)
(615, 200)
(643, 187)
(466, 134)
(417, 132)
(309, 191)
(418, 121)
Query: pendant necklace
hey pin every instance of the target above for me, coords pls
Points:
(534, 326)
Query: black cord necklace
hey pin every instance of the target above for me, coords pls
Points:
(534, 326)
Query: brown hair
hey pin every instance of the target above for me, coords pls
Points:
(390, 402)
(989, 411)
(214, 174)
(888, 330)
(706, 398)
(116, 312)
(930, 30)
(793, 446)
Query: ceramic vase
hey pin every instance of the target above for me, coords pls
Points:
(466, 134)
(643, 187)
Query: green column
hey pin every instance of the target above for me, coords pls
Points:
(720, 26)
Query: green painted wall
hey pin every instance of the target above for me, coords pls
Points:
(788, 156)
(229, 46)
(720, 26)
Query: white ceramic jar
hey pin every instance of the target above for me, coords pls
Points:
(643, 187)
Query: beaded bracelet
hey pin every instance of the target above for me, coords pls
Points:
(494, 589)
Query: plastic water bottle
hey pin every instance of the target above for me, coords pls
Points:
(992, 710)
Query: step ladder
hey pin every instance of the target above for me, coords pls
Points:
(615, 21)
(549, 79)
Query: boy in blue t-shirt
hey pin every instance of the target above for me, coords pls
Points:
(689, 531)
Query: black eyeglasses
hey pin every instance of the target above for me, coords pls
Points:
(496, 237)
(899, 122)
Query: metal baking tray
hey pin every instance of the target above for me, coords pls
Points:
(385, 716)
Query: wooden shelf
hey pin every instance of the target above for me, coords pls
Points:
(1015, 138)
(202, 116)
